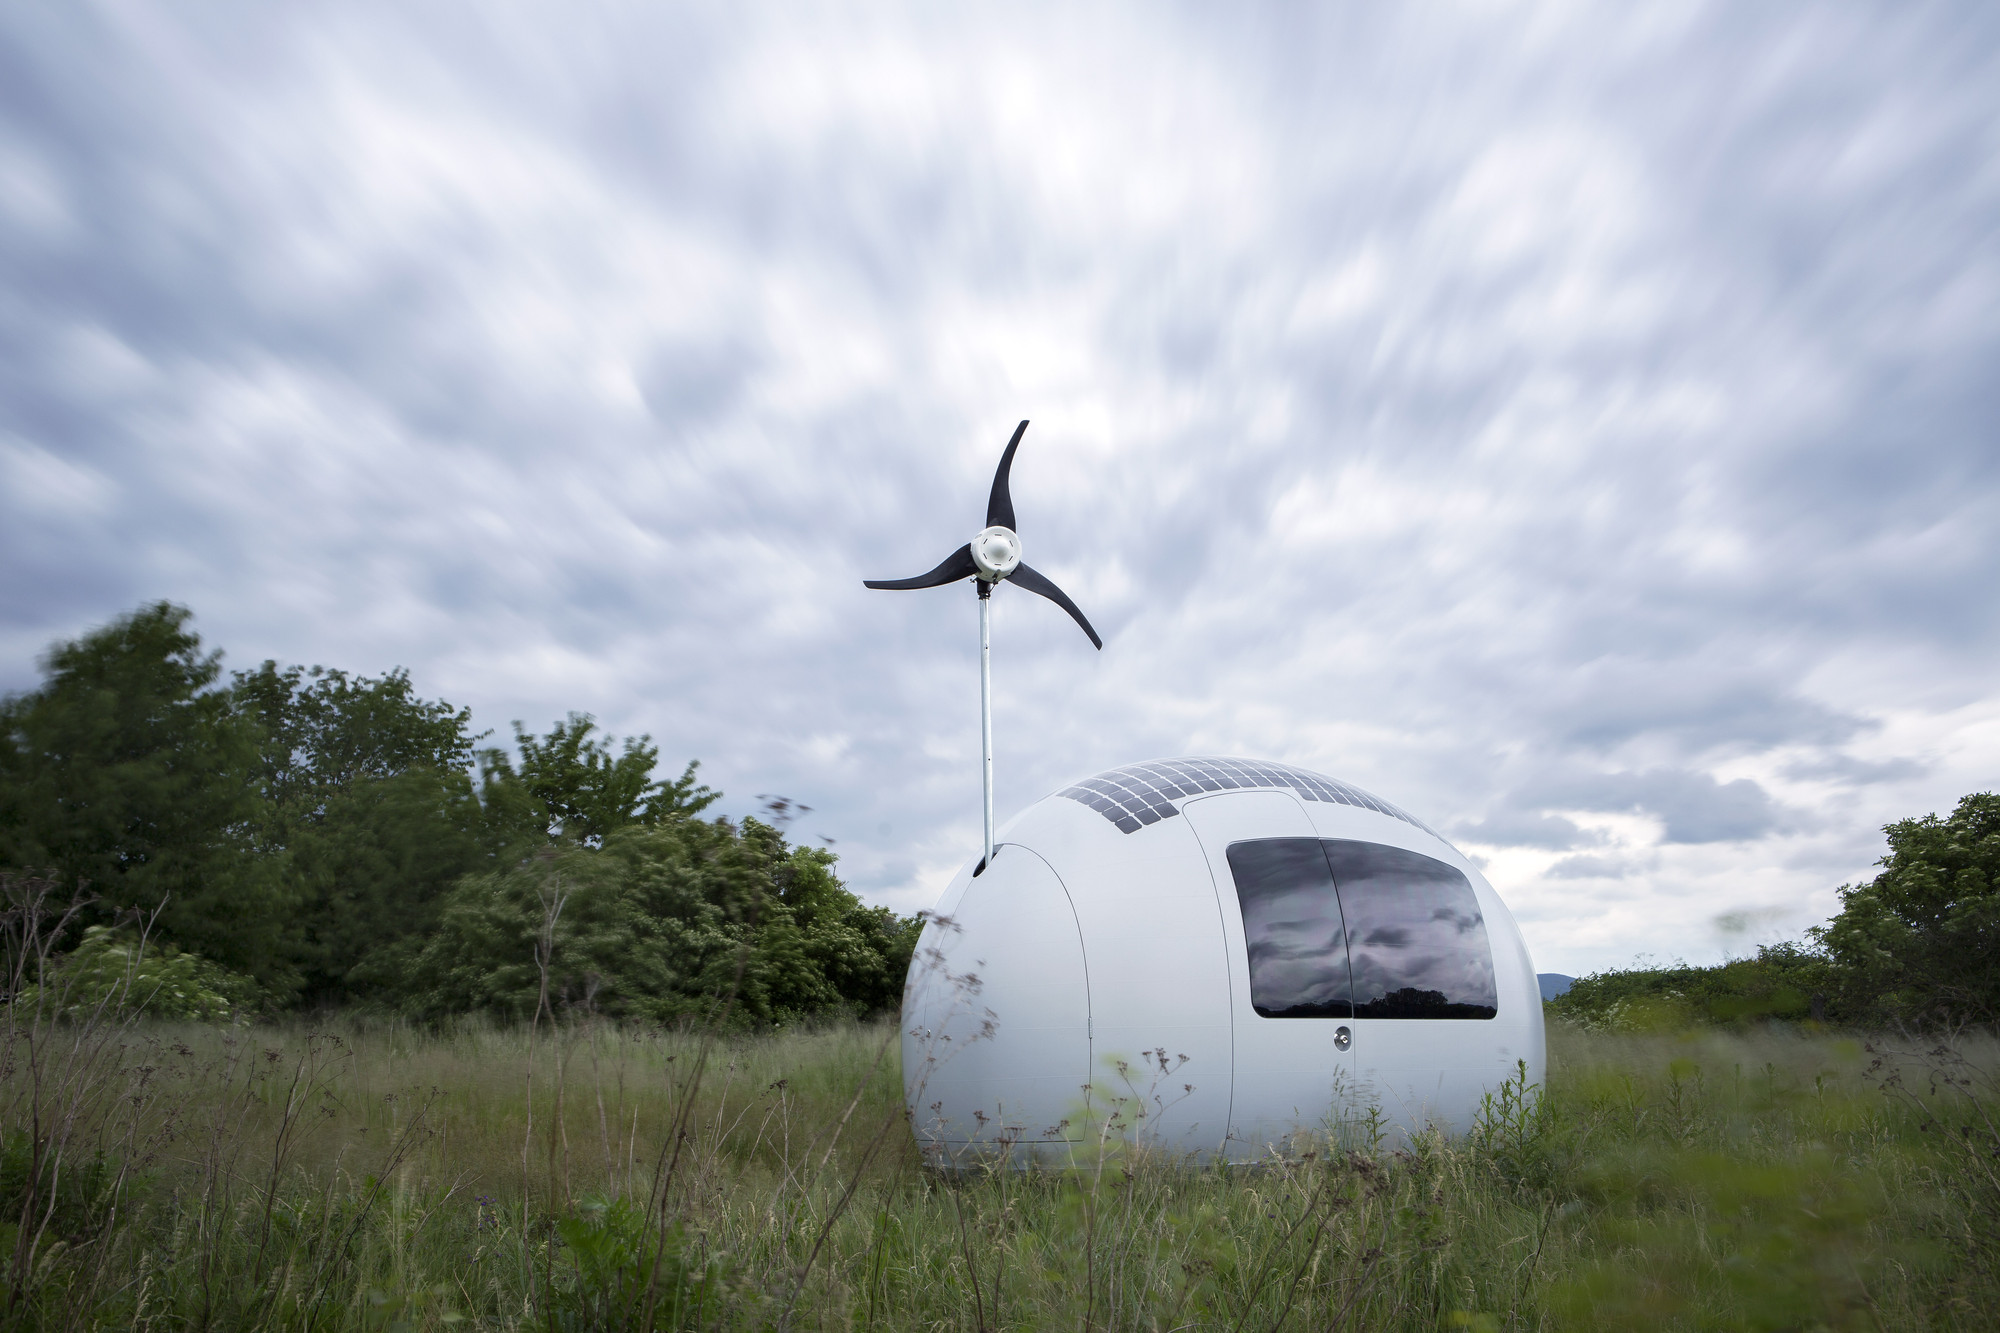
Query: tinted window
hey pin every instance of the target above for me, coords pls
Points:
(1416, 939)
(1292, 927)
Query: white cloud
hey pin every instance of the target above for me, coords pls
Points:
(1572, 423)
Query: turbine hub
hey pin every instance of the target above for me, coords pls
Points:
(996, 551)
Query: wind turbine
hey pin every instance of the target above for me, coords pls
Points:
(994, 554)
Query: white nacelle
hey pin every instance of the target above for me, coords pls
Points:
(1224, 952)
(996, 553)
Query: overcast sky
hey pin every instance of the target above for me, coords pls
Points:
(1576, 425)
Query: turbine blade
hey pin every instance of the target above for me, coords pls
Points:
(958, 565)
(1033, 582)
(1000, 506)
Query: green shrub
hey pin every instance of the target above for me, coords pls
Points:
(115, 972)
(1781, 982)
(655, 925)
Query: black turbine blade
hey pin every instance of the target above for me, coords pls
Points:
(1000, 506)
(1026, 577)
(958, 565)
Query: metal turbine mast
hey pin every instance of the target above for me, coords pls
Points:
(989, 558)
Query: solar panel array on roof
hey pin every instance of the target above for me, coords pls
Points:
(1140, 794)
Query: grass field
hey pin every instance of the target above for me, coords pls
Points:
(584, 1176)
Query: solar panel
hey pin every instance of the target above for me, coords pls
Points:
(1141, 794)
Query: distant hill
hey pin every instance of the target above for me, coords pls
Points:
(1553, 983)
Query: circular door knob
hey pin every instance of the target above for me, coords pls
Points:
(1343, 1037)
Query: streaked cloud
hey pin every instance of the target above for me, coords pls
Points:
(1575, 424)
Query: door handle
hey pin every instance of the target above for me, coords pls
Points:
(1343, 1037)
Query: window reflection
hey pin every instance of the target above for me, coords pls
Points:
(1292, 927)
(1337, 928)
(1416, 939)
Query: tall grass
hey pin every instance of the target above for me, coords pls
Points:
(375, 1176)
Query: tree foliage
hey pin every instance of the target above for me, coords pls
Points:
(1918, 943)
(326, 834)
(324, 730)
(366, 792)
(128, 771)
(568, 786)
(684, 916)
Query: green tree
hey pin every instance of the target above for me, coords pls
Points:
(665, 920)
(569, 787)
(861, 952)
(325, 730)
(128, 773)
(367, 789)
(1918, 942)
